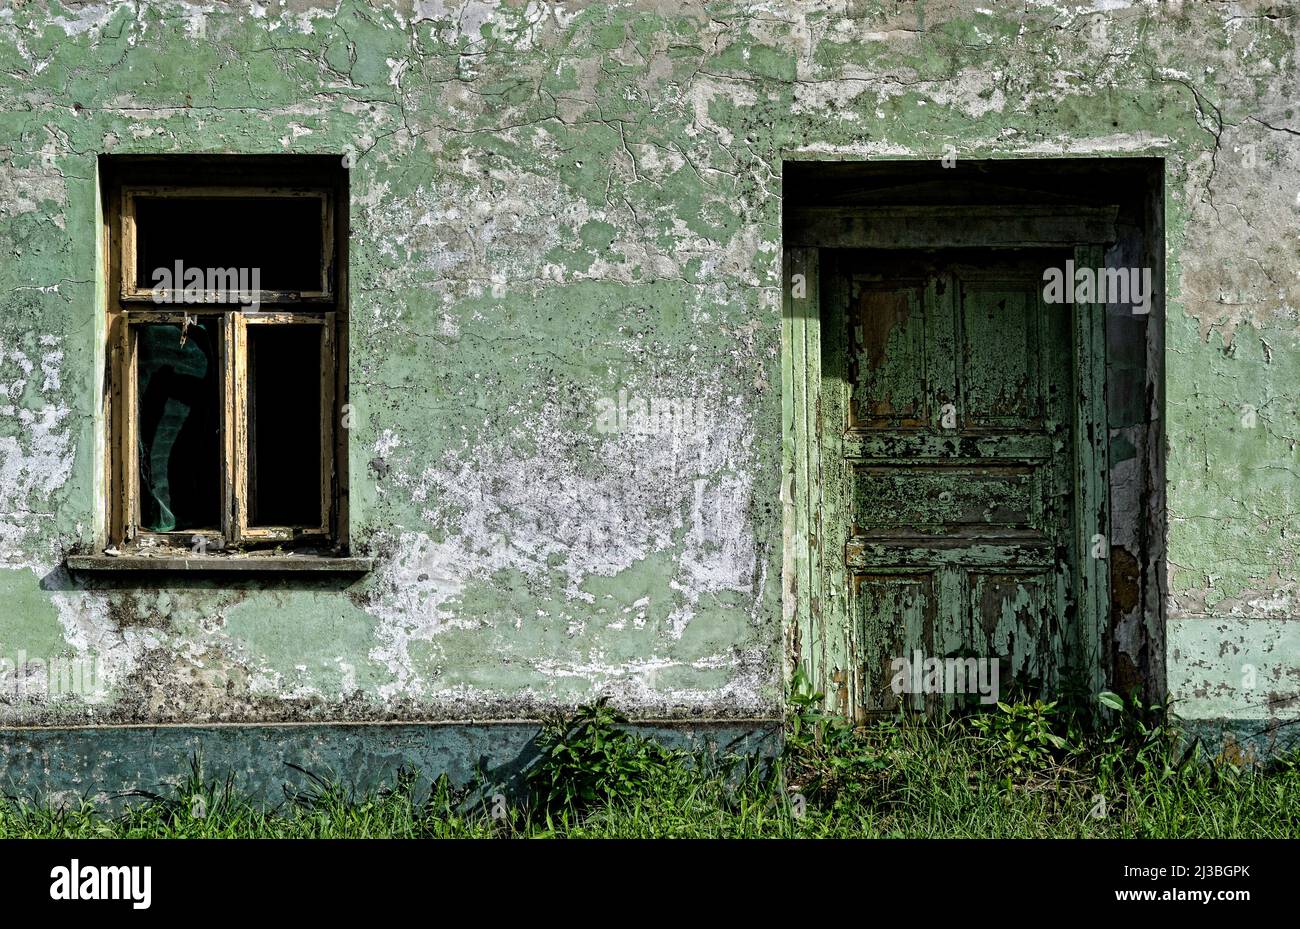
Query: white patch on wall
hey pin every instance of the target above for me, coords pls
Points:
(92, 636)
(36, 449)
(412, 592)
(29, 188)
(495, 509)
(90, 18)
(497, 239)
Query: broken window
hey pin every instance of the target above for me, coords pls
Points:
(225, 373)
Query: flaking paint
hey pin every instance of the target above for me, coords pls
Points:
(553, 202)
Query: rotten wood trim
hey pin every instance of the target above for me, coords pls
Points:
(801, 452)
(1092, 484)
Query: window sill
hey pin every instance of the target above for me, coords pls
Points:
(202, 564)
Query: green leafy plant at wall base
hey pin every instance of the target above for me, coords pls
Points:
(591, 757)
(1021, 736)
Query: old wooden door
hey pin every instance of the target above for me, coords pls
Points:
(948, 415)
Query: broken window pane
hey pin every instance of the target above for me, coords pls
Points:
(178, 415)
(284, 431)
(278, 237)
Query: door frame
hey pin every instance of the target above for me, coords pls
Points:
(819, 636)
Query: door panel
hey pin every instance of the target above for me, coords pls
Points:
(1011, 616)
(947, 391)
(888, 359)
(940, 499)
(998, 379)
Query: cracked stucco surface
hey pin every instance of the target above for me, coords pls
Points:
(553, 202)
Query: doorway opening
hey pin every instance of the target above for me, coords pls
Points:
(973, 387)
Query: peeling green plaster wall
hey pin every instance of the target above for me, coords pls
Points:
(553, 202)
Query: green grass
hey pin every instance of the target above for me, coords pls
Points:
(1022, 772)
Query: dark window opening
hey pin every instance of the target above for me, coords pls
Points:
(284, 406)
(280, 237)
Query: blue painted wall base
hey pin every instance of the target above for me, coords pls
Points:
(105, 765)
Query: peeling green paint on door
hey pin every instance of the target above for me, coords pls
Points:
(956, 502)
(946, 502)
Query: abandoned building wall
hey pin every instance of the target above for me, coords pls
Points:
(557, 207)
